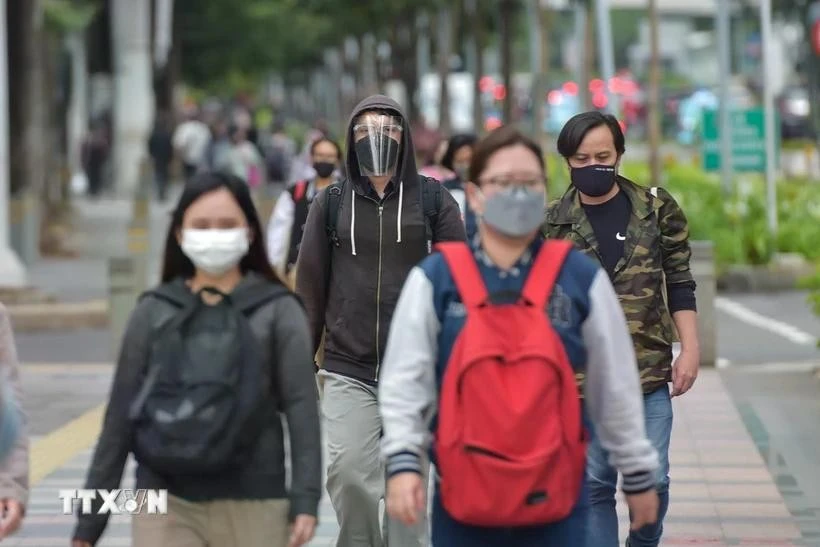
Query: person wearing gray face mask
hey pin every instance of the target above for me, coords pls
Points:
(452, 313)
(516, 211)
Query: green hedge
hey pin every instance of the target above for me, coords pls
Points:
(736, 224)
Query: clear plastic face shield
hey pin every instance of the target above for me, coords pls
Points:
(377, 140)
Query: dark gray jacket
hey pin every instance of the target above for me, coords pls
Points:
(351, 290)
(282, 329)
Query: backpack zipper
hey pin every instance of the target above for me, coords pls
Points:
(379, 294)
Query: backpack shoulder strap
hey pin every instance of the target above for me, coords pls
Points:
(545, 270)
(333, 204)
(248, 302)
(431, 205)
(463, 268)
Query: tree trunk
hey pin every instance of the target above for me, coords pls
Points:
(444, 50)
(654, 95)
(52, 129)
(506, 38)
(27, 114)
(405, 39)
(166, 77)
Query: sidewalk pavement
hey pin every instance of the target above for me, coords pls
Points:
(722, 491)
(80, 285)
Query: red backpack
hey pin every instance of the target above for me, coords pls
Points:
(510, 444)
(299, 190)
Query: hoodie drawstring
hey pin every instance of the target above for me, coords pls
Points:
(352, 220)
(353, 217)
(398, 217)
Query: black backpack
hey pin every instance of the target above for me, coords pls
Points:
(430, 201)
(207, 393)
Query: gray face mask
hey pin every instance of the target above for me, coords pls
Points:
(515, 212)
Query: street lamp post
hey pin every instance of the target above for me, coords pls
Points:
(724, 61)
(12, 272)
(768, 110)
(606, 52)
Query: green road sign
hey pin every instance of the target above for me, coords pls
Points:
(748, 140)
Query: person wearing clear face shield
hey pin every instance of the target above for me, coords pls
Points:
(362, 237)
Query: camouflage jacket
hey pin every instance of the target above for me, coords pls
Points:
(656, 253)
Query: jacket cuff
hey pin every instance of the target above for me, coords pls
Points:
(303, 505)
(88, 530)
(403, 462)
(638, 483)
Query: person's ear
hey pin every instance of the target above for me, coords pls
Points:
(475, 199)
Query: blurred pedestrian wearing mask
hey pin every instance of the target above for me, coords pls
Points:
(457, 159)
(640, 236)
(287, 222)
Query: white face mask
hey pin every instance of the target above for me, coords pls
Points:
(215, 251)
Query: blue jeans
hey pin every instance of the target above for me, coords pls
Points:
(603, 479)
(570, 532)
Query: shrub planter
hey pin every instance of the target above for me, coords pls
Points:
(782, 274)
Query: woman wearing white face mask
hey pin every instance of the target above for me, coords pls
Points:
(208, 362)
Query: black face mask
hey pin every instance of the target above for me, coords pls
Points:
(389, 155)
(324, 169)
(593, 180)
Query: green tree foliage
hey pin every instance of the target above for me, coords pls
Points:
(226, 42)
(69, 15)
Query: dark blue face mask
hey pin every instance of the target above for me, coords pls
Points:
(593, 180)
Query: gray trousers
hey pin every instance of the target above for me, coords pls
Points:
(355, 473)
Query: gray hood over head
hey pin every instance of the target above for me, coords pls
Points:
(406, 170)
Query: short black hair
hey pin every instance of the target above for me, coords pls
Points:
(455, 143)
(574, 131)
(498, 139)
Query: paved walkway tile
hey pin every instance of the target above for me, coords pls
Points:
(722, 491)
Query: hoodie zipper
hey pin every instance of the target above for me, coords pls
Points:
(379, 294)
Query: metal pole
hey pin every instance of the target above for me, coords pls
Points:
(606, 51)
(423, 48)
(12, 272)
(769, 113)
(4, 130)
(580, 43)
(725, 67)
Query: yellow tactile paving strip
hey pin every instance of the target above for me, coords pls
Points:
(55, 449)
(51, 452)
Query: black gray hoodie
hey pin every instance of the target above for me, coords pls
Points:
(351, 290)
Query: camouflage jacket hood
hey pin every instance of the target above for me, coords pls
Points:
(656, 254)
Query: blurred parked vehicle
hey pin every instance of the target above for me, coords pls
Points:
(794, 107)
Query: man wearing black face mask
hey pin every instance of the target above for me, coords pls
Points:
(641, 236)
(362, 237)
(287, 221)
